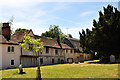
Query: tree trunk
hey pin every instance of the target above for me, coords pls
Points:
(38, 69)
(38, 73)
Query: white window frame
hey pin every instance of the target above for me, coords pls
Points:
(14, 62)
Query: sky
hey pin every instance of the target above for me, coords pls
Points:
(71, 16)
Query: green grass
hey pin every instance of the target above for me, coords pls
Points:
(81, 70)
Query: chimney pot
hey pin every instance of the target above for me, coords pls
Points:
(5, 24)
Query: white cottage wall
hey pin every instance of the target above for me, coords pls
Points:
(8, 56)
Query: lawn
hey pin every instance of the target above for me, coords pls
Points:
(81, 70)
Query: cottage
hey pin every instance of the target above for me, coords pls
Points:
(75, 44)
(12, 54)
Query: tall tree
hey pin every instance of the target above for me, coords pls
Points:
(104, 37)
(85, 40)
(34, 46)
(53, 32)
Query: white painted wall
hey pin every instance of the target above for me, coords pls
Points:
(7, 56)
(47, 57)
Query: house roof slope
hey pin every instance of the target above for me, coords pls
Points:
(73, 43)
(18, 37)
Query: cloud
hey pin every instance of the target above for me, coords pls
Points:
(29, 14)
(87, 13)
(21, 1)
(74, 30)
(37, 15)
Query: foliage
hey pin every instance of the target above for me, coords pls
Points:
(53, 32)
(104, 37)
(20, 29)
(85, 41)
(34, 44)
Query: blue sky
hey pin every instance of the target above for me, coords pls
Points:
(72, 17)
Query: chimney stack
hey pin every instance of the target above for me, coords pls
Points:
(6, 31)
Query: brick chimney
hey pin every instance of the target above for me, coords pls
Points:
(6, 31)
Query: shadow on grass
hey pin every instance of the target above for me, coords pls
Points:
(99, 62)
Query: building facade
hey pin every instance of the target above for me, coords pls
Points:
(75, 44)
(12, 54)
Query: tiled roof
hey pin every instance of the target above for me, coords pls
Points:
(51, 42)
(15, 38)
(73, 42)
(48, 42)
(65, 46)
(18, 37)
(4, 41)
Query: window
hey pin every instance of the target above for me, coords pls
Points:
(71, 51)
(8, 48)
(41, 60)
(47, 50)
(67, 59)
(66, 51)
(56, 52)
(52, 60)
(12, 49)
(12, 62)
(58, 60)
